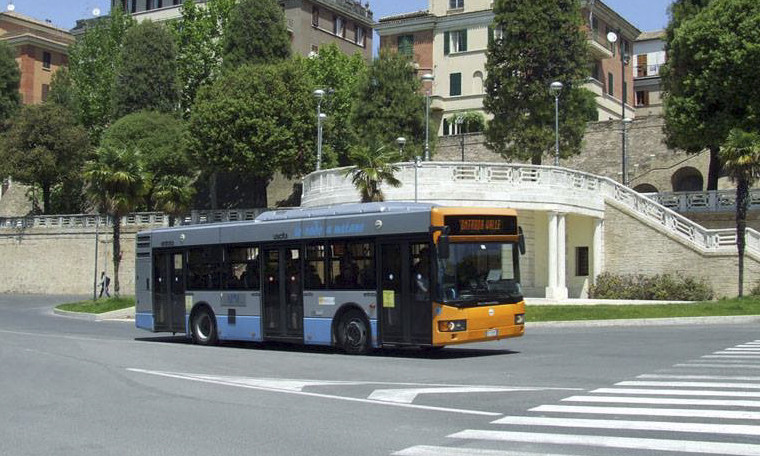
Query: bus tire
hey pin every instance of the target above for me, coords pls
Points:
(203, 327)
(353, 333)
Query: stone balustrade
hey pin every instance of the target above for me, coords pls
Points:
(711, 201)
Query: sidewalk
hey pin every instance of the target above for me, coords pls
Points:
(127, 314)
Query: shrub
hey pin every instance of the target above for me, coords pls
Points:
(660, 287)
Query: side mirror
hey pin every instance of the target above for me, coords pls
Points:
(521, 240)
(443, 247)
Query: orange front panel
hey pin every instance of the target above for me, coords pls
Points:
(480, 320)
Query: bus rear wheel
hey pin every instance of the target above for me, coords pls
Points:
(353, 333)
(203, 327)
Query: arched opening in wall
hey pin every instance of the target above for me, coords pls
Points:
(477, 83)
(687, 179)
(645, 188)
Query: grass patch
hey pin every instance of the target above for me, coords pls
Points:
(99, 306)
(749, 305)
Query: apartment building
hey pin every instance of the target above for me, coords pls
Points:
(41, 49)
(649, 56)
(311, 23)
(450, 40)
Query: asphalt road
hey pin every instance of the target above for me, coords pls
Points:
(73, 387)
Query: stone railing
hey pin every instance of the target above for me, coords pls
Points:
(712, 201)
(514, 178)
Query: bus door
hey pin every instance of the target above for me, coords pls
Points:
(282, 293)
(169, 291)
(404, 295)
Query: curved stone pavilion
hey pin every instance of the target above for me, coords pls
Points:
(577, 225)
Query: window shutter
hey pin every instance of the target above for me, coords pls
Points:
(446, 45)
(463, 38)
(455, 84)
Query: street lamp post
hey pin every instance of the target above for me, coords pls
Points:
(401, 141)
(612, 37)
(460, 126)
(555, 88)
(416, 169)
(319, 94)
(626, 123)
(427, 78)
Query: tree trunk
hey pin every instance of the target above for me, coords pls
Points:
(116, 252)
(715, 167)
(213, 200)
(260, 185)
(45, 198)
(742, 200)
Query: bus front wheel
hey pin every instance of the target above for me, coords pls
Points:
(353, 333)
(203, 326)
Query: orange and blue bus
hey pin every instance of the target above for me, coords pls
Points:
(355, 276)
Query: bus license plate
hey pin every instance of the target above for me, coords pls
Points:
(491, 332)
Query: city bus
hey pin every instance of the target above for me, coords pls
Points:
(355, 276)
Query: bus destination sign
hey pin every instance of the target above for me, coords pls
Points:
(492, 225)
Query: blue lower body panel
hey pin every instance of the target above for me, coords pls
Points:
(244, 328)
(144, 320)
(318, 331)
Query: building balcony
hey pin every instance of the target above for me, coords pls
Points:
(599, 50)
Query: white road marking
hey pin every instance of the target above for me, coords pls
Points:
(734, 449)
(236, 381)
(694, 384)
(755, 349)
(720, 366)
(627, 424)
(733, 356)
(722, 359)
(661, 400)
(676, 392)
(407, 396)
(425, 450)
(751, 354)
(699, 377)
(727, 414)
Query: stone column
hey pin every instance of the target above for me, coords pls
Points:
(598, 244)
(551, 246)
(561, 292)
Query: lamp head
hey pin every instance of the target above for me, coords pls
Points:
(612, 37)
(319, 94)
(428, 77)
(555, 88)
(401, 141)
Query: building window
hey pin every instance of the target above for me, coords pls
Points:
(148, 5)
(159, 3)
(455, 84)
(610, 84)
(47, 60)
(406, 45)
(581, 261)
(175, 2)
(456, 4)
(454, 41)
(642, 98)
(315, 16)
(360, 36)
(339, 26)
(133, 7)
(45, 92)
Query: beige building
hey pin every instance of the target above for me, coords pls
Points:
(649, 56)
(311, 23)
(450, 39)
(41, 49)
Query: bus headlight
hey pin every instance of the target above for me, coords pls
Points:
(452, 325)
(519, 319)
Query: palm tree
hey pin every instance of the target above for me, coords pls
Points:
(115, 184)
(741, 161)
(372, 168)
(173, 195)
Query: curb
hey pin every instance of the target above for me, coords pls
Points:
(121, 314)
(731, 320)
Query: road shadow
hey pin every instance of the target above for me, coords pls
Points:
(412, 352)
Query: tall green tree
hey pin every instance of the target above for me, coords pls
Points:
(44, 147)
(173, 195)
(541, 41)
(10, 77)
(339, 75)
(62, 90)
(199, 46)
(709, 79)
(390, 104)
(741, 160)
(373, 167)
(256, 119)
(115, 185)
(256, 33)
(146, 73)
(158, 140)
(92, 69)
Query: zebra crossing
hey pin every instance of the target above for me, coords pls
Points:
(709, 405)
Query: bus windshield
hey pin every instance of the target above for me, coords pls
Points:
(480, 273)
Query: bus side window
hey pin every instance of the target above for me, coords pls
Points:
(352, 266)
(242, 268)
(315, 267)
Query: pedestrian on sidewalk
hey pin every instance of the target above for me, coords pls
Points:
(105, 283)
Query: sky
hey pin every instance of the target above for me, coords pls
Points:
(646, 15)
